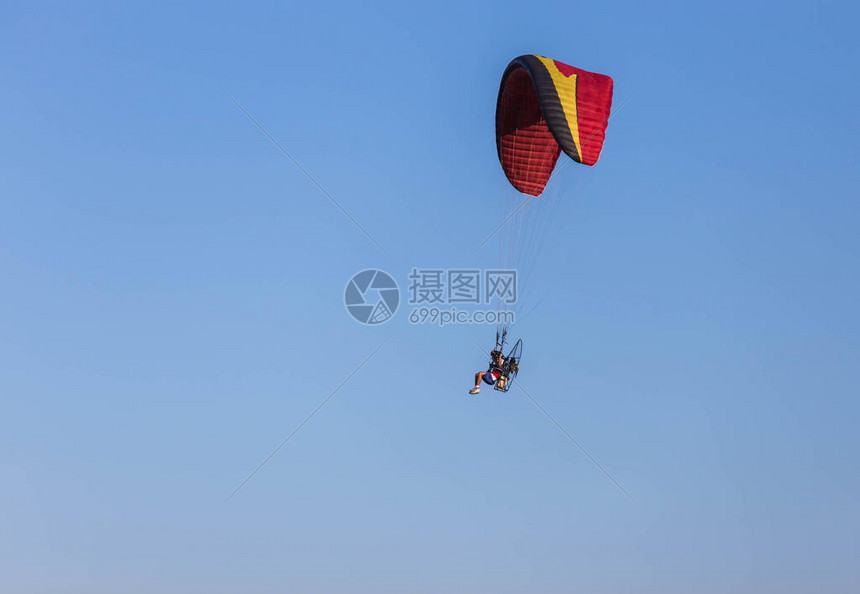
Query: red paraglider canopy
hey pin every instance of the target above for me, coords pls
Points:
(545, 107)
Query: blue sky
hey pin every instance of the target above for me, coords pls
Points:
(171, 308)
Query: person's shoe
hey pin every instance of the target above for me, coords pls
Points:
(475, 390)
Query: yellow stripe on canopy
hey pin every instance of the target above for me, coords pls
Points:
(565, 88)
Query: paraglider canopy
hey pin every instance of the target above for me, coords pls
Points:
(545, 107)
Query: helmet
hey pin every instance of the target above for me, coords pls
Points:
(495, 354)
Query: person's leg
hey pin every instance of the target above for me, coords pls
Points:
(477, 388)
